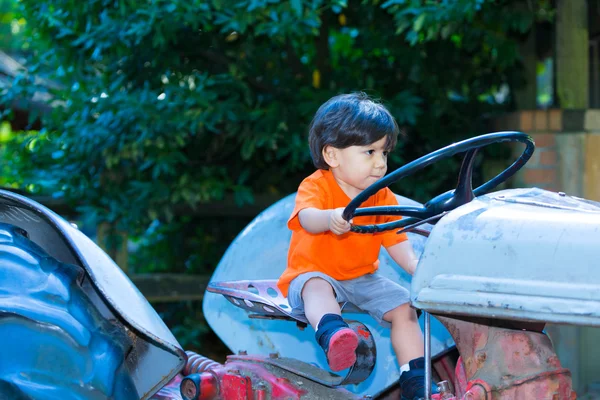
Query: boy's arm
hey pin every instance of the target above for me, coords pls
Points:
(405, 256)
(314, 220)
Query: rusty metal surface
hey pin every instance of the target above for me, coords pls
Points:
(366, 354)
(260, 252)
(296, 367)
(500, 363)
(245, 377)
(197, 363)
(265, 370)
(524, 254)
(156, 357)
(171, 391)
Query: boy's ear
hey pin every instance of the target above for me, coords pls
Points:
(330, 156)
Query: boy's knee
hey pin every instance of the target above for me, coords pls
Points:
(317, 285)
(401, 313)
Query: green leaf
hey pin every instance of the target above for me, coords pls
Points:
(390, 3)
(419, 21)
(297, 7)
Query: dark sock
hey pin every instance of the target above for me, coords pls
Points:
(417, 363)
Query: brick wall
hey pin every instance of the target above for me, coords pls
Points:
(567, 155)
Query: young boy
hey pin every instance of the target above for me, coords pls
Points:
(350, 138)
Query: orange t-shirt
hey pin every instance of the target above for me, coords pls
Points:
(342, 257)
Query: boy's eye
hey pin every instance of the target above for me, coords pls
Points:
(369, 152)
(385, 153)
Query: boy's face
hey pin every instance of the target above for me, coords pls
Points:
(357, 167)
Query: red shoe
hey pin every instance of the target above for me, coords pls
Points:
(341, 352)
(338, 341)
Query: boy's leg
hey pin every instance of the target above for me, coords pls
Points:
(388, 303)
(319, 299)
(332, 333)
(407, 341)
(406, 335)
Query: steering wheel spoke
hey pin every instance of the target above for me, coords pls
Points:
(464, 188)
(431, 220)
(418, 212)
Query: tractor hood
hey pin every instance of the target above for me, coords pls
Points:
(523, 254)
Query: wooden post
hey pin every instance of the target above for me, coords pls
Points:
(572, 54)
(572, 82)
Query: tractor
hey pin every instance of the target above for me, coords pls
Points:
(494, 268)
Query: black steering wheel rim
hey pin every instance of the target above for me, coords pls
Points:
(445, 201)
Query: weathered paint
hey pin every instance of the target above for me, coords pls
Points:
(245, 377)
(499, 363)
(509, 363)
(54, 340)
(260, 252)
(524, 254)
(171, 391)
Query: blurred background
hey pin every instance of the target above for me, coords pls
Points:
(162, 128)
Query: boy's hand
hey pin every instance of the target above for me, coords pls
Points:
(337, 224)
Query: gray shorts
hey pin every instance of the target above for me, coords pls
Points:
(372, 293)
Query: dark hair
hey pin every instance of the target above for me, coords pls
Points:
(350, 120)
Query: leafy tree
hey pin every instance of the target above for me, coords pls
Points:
(160, 106)
(10, 27)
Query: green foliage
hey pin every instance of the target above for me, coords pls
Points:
(191, 245)
(159, 107)
(10, 26)
(15, 148)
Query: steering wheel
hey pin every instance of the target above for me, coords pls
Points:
(435, 208)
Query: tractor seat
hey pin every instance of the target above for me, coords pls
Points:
(263, 299)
